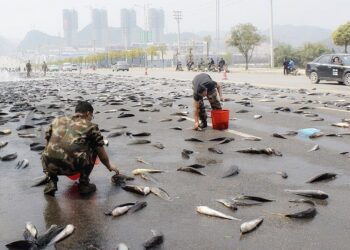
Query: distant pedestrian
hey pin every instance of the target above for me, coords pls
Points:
(285, 66)
(28, 68)
(44, 68)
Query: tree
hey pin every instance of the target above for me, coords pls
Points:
(152, 51)
(282, 51)
(228, 57)
(162, 49)
(207, 39)
(245, 38)
(341, 36)
(309, 52)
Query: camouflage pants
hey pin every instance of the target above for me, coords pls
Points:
(214, 103)
(82, 163)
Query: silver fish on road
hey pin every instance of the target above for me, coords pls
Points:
(156, 240)
(314, 148)
(317, 194)
(211, 212)
(249, 226)
(190, 170)
(137, 189)
(233, 170)
(228, 203)
(161, 193)
(30, 233)
(322, 177)
(119, 209)
(67, 231)
(305, 214)
(122, 246)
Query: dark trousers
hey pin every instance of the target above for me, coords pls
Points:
(214, 103)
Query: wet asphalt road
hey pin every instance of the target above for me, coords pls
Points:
(182, 226)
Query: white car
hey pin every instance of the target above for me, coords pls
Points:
(123, 66)
(75, 67)
(52, 68)
(67, 67)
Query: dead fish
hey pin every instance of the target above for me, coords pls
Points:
(68, 230)
(278, 136)
(187, 151)
(120, 127)
(215, 150)
(30, 233)
(266, 151)
(42, 180)
(136, 142)
(316, 135)
(322, 177)
(120, 179)
(196, 166)
(22, 245)
(3, 144)
(193, 140)
(185, 155)
(51, 233)
(291, 133)
(317, 119)
(123, 109)
(333, 135)
(284, 175)
(314, 148)
(190, 170)
(156, 240)
(317, 194)
(249, 226)
(218, 139)
(139, 159)
(181, 119)
(24, 135)
(304, 201)
(104, 130)
(39, 147)
(142, 121)
(184, 113)
(141, 134)
(144, 110)
(139, 171)
(149, 177)
(119, 209)
(115, 134)
(211, 212)
(176, 128)
(110, 111)
(227, 203)
(233, 170)
(122, 246)
(161, 193)
(25, 126)
(158, 145)
(253, 198)
(341, 124)
(257, 116)
(137, 206)
(242, 111)
(245, 203)
(5, 132)
(306, 214)
(166, 120)
(283, 109)
(227, 140)
(9, 157)
(122, 115)
(137, 189)
(23, 164)
(251, 138)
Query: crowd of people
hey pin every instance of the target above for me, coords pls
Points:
(210, 66)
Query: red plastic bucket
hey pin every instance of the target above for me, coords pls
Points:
(220, 118)
(76, 176)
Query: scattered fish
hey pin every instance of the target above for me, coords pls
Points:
(249, 226)
(68, 230)
(322, 177)
(137, 189)
(284, 175)
(278, 136)
(193, 140)
(159, 145)
(166, 120)
(304, 201)
(22, 164)
(227, 140)
(3, 144)
(316, 135)
(176, 128)
(196, 166)
(23, 127)
(122, 246)
(266, 151)
(119, 209)
(137, 206)
(120, 179)
(122, 115)
(139, 171)
(314, 148)
(253, 198)
(5, 132)
(141, 134)
(190, 170)
(139, 141)
(161, 193)
(341, 124)
(156, 240)
(215, 150)
(218, 139)
(142, 121)
(9, 157)
(228, 203)
(233, 170)
(257, 116)
(181, 119)
(115, 134)
(24, 135)
(21, 245)
(211, 212)
(30, 233)
(44, 239)
(306, 214)
(317, 194)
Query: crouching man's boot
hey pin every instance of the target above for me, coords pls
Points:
(85, 187)
(203, 124)
(51, 186)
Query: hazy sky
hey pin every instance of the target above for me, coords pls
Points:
(19, 16)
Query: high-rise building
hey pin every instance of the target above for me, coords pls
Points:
(70, 26)
(156, 24)
(128, 25)
(99, 27)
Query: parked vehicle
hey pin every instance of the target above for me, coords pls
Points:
(67, 67)
(75, 67)
(120, 66)
(330, 67)
(52, 68)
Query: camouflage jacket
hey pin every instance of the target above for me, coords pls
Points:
(71, 138)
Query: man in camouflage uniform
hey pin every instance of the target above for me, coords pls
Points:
(203, 85)
(73, 143)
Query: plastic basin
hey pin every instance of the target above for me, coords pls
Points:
(220, 118)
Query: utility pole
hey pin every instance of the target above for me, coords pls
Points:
(271, 35)
(178, 17)
(217, 27)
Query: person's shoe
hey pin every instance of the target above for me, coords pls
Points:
(87, 188)
(51, 188)
(203, 125)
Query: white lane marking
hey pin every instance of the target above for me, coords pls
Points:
(340, 110)
(231, 131)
